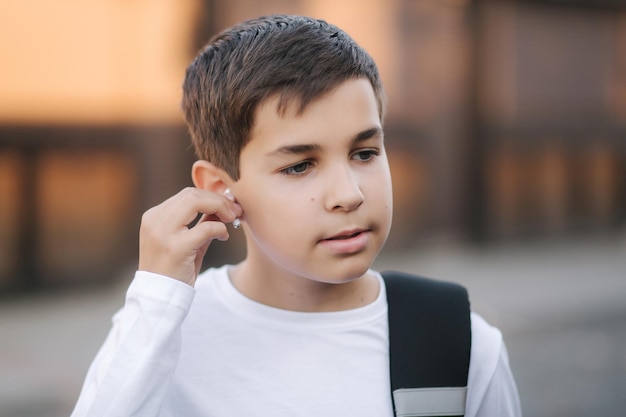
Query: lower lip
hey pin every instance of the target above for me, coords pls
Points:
(345, 246)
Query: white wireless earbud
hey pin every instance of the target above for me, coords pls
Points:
(237, 221)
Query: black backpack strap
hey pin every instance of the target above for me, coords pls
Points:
(429, 345)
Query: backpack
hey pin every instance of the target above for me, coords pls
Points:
(429, 345)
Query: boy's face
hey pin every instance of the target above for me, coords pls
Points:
(315, 187)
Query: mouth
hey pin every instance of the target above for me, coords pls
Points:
(349, 234)
(348, 242)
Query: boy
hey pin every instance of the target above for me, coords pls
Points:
(286, 116)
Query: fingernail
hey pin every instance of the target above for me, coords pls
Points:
(229, 195)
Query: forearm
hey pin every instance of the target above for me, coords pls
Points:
(131, 373)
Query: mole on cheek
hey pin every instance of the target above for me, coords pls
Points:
(312, 199)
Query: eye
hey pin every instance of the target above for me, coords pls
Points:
(298, 169)
(365, 155)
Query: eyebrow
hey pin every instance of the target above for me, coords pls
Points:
(368, 134)
(307, 148)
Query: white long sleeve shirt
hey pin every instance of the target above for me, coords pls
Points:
(207, 351)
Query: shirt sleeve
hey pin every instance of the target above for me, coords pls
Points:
(132, 370)
(491, 386)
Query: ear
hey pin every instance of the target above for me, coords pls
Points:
(207, 176)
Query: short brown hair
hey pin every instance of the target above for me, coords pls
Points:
(295, 57)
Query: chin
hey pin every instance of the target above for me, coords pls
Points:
(346, 272)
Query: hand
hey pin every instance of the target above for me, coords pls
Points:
(168, 246)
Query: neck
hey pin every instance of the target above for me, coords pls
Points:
(288, 291)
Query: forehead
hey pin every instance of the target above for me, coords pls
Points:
(349, 108)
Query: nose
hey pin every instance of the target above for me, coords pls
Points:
(344, 190)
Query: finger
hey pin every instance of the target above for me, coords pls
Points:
(183, 209)
(214, 205)
(205, 232)
(199, 217)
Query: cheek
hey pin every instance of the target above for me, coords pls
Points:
(379, 186)
(382, 196)
(277, 215)
(283, 231)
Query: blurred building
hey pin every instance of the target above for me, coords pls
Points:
(506, 120)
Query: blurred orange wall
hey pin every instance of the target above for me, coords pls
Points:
(97, 61)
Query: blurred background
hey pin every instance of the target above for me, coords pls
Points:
(506, 133)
